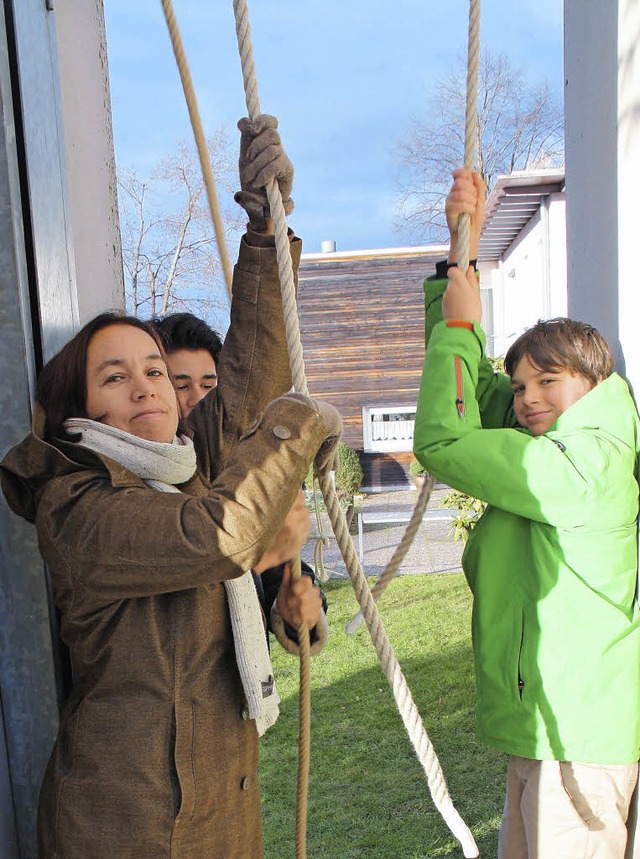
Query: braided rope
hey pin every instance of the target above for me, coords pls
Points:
(471, 124)
(201, 143)
(470, 146)
(402, 694)
(396, 679)
(294, 344)
(399, 555)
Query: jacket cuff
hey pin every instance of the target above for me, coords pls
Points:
(256, 239)
(460, 329)
(442, 267)
(288, 637)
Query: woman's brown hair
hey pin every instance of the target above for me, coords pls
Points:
(62, 382)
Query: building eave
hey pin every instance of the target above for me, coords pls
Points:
(514, 200)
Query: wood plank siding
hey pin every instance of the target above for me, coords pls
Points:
(362, 329)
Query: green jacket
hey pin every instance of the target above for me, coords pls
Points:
(552, 563)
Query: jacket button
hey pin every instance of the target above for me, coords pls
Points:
(281, 432)
(244, 783)
(245, 712)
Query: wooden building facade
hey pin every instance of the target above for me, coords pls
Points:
(362, 328)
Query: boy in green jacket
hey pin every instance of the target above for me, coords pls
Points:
(552, 563)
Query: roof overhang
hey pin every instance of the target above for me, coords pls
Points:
(514, 200)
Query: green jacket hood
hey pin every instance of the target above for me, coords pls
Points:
(603, 408)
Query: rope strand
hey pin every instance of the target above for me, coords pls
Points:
(294, 344)
(470, 125)
(201, 143)
(396, 679)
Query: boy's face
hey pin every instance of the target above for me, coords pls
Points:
(194, 374)
(541, 396)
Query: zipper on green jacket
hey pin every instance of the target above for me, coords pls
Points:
(459, 386)
(520, 680)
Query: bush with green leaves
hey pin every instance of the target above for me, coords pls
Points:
(467, 512)
(416, 469)
(349, 474)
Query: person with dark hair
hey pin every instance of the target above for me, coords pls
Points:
(192, 349)
(553, 449)
(149, 530)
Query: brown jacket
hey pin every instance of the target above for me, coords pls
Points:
(154, 758)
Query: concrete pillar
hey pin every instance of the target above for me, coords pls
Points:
(28, 249)
(602, 108)
(90, 159)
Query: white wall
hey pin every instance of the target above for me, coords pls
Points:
(602, 110)
(90, 159)
(530, 281)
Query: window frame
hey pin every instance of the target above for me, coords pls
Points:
(385, 445)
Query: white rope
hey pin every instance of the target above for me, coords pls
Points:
(471, 124)
(402, 694)
(201, 143)
(399, 555)
(394, 675)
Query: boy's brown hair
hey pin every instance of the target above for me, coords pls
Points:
(563, 344)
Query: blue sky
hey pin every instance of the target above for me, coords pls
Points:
(344, 78)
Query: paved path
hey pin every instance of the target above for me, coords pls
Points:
(433, 549)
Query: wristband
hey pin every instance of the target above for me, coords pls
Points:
(442, 267)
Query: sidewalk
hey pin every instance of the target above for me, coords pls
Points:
(433, 549)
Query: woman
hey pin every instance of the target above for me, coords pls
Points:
(144, 532)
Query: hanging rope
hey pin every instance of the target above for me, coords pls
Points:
(201, 143)
(470, 124)
(399, 555)
(396, 679)
(470, 148)
(398, 683)
(298, 376)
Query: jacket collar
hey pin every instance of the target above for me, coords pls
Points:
(66, 453)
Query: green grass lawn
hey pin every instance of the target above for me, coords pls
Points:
(368, 793)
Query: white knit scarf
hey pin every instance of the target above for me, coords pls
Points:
(162, 466)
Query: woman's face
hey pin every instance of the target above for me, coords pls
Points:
(128, 386)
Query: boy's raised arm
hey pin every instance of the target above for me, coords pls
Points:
(493, 391)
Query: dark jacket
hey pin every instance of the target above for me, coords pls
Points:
(154, 758)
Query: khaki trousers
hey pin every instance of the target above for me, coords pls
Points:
(566, 810)
(633, 829)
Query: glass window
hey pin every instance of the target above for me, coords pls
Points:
(388, 427)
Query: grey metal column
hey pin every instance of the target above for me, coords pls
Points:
(8, 833)
(36, 69)
(37, 312)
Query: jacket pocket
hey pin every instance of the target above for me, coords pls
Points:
(184, 760)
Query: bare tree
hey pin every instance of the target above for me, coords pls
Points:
(520, 127)
(169, 249)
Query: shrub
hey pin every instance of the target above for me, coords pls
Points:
(349, 474)
(416, 469)
(468, 511)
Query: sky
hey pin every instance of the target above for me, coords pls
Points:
(346, 78)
